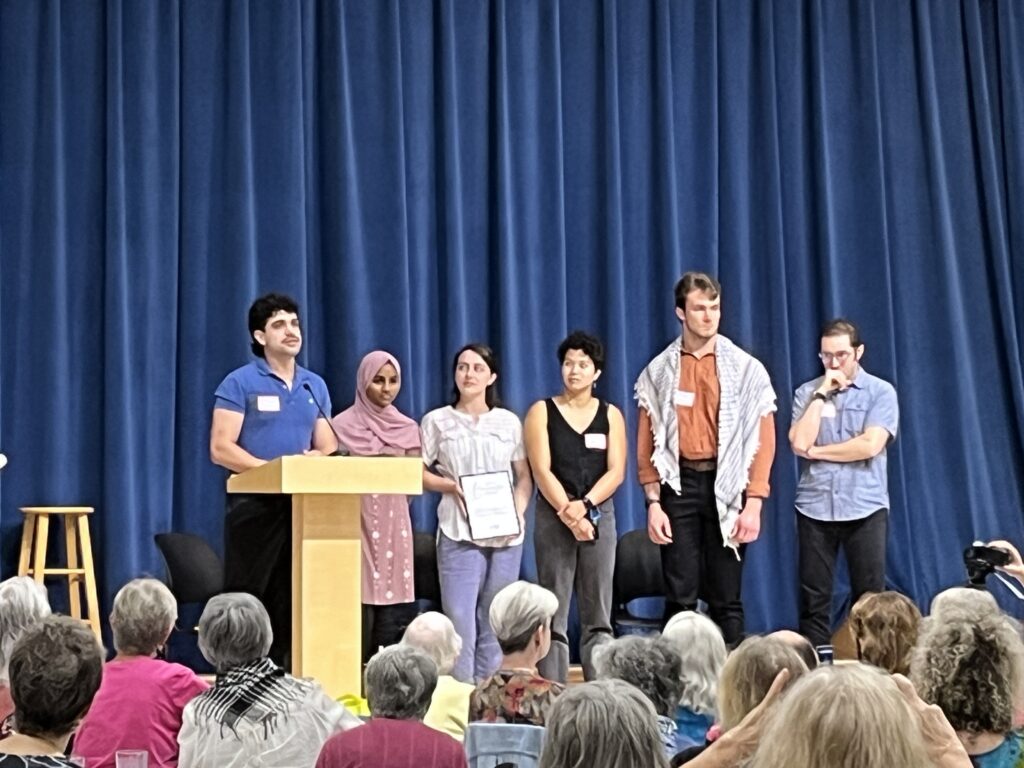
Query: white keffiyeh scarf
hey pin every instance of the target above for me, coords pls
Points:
(747, 395)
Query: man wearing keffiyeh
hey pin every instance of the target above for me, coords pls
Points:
(705, 445)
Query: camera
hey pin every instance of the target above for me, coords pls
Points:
(981, 561)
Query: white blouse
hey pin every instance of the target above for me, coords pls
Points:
(462, 444)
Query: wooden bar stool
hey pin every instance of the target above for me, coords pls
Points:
(32, 560)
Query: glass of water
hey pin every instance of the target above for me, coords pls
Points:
(131, 758)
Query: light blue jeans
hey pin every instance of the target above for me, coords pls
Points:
(470, 578)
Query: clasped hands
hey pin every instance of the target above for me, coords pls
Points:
(574, 516)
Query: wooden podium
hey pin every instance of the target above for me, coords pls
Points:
(326, 552)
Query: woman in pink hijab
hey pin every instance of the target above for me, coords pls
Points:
(374, 427)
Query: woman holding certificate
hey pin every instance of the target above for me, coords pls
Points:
(374, 427)
(473, 454)
(577, 449)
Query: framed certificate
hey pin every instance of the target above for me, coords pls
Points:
(490, 505)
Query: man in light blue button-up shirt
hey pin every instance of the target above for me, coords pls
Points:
(842, 423)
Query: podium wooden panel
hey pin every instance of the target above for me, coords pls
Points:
(326, 552)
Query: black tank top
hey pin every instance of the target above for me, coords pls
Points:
(577, 466)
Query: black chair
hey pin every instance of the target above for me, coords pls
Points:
(425, 577)
(637, 575)
(195, 572)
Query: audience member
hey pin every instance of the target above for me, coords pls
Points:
(959, 599)
(845, 716)
(604, 724)
(434, 634)
(23, 604)
(141, 698)
(748, 674)
(521, 619)
(653, 665)
(399, 683)
(55, 670)
(800, 644)
(971, 664)
(699, 642)
(884, 627)
(256, 713)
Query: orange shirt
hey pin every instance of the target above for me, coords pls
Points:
(698, 426)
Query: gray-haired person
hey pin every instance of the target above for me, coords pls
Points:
(399, 683)
(520, 616)
(970, 662)
(141, 700)
(256, 713)
(655, 667)
(434, 634)
(702, 650)
(23, 604)
(604, 724)
(55, 669)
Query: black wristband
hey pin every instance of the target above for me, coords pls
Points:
(820, 396)
(648, 502)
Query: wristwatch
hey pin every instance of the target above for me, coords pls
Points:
(820, 396)
(648, 501)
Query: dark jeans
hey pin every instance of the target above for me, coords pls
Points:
(258, 559)
(696, 565)
(863, 542)
(384, 625)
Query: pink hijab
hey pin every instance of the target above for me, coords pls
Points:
(369, 430)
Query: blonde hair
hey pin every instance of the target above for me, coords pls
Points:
(846, 716)
(885, 627)
(749, 672)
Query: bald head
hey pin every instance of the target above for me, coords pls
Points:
(798, 643)
(434, 633)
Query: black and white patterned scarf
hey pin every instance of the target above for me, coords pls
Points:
(259, 692)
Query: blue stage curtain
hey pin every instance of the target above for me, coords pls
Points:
(420, 174)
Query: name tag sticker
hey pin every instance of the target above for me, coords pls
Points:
(683, 399)
(828, 411)
(595, 442)
(268, 403)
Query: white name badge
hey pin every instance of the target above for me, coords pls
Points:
(595, 442)
(268, 403)
(828, 411)
(683, 399)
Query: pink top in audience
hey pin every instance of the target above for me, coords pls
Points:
(383, 743)
(138, 706)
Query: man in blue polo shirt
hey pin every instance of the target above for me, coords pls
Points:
(842, 423)
(264, 410)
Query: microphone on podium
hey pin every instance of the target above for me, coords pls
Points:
(341, 450)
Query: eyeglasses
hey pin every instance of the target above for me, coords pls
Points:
(839, 357)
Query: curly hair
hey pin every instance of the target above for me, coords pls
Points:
(885, 626)
(971, 665)
(846, 716)
(749, 672)
(652, 664)
(55, 671)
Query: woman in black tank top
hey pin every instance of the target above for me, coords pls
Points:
(576, 444)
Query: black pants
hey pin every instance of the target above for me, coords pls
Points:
(258, 559)
(863, 542)
(384, 625)
(696, 565)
